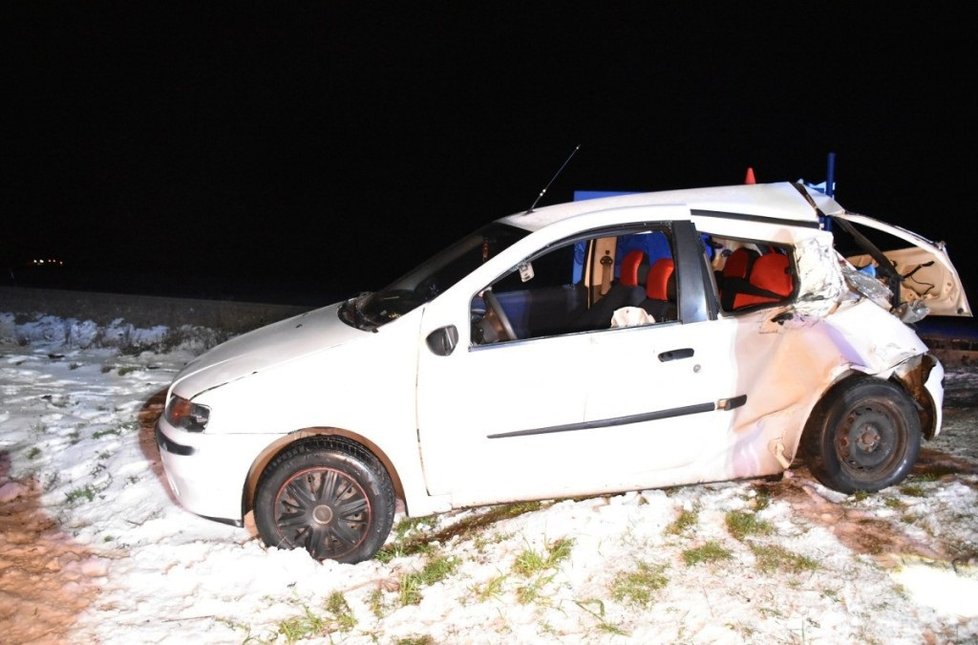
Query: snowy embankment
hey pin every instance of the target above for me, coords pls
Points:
(93, 548)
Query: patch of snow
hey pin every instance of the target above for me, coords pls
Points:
(943, 588)
(94, 548)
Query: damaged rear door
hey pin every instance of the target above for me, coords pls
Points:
(919, 273)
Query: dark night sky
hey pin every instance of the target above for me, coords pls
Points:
(330, 146)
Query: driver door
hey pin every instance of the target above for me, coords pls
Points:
(470, 398)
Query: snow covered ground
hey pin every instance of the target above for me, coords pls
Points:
(94, 549)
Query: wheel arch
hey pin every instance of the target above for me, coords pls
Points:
(858, 414)
(281, 444)
(910, 377)
(818, 401)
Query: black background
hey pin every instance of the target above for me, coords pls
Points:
(299, 152)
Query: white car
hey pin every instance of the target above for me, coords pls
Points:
(622, 343)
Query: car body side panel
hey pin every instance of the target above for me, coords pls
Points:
(785, 369)
(364, 387)
(869, 338)
(680, 370)
(794, 362)
(468, 397)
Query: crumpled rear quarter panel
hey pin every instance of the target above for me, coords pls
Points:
(788, 366)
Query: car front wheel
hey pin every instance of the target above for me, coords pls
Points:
(864, 435)
(328, 496)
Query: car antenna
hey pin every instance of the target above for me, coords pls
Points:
(552, 179)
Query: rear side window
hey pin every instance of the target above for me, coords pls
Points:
(751, 274)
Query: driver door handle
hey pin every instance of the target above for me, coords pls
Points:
(676, 354)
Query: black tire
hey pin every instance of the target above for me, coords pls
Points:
(864, 435)
(327, 495)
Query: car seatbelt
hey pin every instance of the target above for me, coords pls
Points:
(607, 264)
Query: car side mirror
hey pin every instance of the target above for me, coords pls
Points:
(443, 340)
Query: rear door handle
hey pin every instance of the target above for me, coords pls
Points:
(675, 354)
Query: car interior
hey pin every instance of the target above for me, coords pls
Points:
(579, 286)
(748, 277)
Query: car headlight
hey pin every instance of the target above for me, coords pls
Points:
(183, 413)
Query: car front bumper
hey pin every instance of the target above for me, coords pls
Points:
(207, 473)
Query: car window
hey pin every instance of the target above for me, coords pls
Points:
(602, 281)
(427, 281)
(751, 274)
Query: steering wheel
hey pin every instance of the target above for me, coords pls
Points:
(497, 316)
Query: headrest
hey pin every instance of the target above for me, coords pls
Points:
(657, 284)
(631, 266)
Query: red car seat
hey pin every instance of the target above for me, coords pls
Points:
(770, 281)
(659, 278)
(733, 277)
(629, 274)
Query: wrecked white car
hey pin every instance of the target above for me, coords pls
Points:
(623, 343)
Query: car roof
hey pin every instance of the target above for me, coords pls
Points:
(780, 201)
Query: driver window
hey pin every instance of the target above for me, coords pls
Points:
(605, 281)
(536, 298)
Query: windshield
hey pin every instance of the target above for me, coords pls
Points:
(424, 283)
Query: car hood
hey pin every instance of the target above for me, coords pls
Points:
(268, 346)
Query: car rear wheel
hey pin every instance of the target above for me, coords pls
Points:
(864, 435)
(328, 496)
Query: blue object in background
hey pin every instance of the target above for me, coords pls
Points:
(581, 195)
(655, 245)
